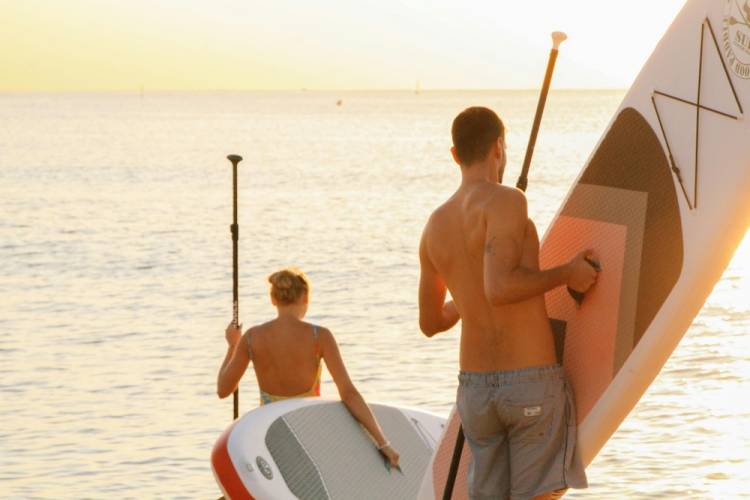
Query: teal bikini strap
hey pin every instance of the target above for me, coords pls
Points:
(317, 341)
(249, 345)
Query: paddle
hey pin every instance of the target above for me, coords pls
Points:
(235, 229)
(455, 461)
(557, 38)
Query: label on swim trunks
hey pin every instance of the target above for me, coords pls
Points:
(532, 411)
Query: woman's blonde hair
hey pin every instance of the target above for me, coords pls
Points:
(288, 285)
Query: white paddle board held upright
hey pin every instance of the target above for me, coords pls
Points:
(313, 449)
(663, 201)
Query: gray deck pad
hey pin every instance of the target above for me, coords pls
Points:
(323, 453)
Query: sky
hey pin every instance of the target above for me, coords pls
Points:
(91, 45)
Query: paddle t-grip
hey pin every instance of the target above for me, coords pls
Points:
(558, 37)
(579, 296)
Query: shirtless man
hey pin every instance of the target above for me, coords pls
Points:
(516, 408)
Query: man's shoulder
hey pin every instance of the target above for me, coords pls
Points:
(491, 197)
(505, 204)
(437, 226)
(442, 211)
(507, 194)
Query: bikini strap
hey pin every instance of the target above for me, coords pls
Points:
(249, 345)
(317, 340)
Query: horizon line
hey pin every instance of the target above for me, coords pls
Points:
(144, 90)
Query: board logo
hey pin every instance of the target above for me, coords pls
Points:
(265, 469)
(736, 36)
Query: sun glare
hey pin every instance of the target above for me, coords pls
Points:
(741, 260)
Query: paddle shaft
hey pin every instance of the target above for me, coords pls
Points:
(455, 461)
(523, 178)
(235, 229)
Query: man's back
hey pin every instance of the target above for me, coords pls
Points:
(516, 408)
(458, 238)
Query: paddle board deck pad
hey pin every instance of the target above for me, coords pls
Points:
(312, 448)
(663, 201)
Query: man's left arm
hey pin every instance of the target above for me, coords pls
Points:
(435, 314)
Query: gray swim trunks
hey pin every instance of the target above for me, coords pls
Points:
(521, 428)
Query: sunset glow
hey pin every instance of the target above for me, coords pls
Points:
(86, 45)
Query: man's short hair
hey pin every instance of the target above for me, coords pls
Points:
(474, 131)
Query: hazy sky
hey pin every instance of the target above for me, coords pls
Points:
(323, 44)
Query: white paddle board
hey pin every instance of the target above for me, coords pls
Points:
(312, 448)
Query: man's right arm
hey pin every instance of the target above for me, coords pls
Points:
(505, 281)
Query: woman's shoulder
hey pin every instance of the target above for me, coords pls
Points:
(270, 328)
(263, 326)
(256, 330)
(321, 333)
(317, 328)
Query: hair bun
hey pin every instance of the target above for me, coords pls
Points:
(282, 280)
(288, 285)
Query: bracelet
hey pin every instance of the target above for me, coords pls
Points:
(384, 446)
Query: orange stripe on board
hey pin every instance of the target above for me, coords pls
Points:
(591, 331)
(225, 471)
(442, 463)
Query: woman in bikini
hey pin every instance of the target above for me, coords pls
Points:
(286, 353)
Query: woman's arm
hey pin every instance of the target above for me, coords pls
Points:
(235, 361)
(351, 397)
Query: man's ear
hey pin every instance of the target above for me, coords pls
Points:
(499, 147)
(454, 154)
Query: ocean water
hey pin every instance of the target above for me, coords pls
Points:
(115, 280)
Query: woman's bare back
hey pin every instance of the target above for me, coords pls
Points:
(286, 356)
